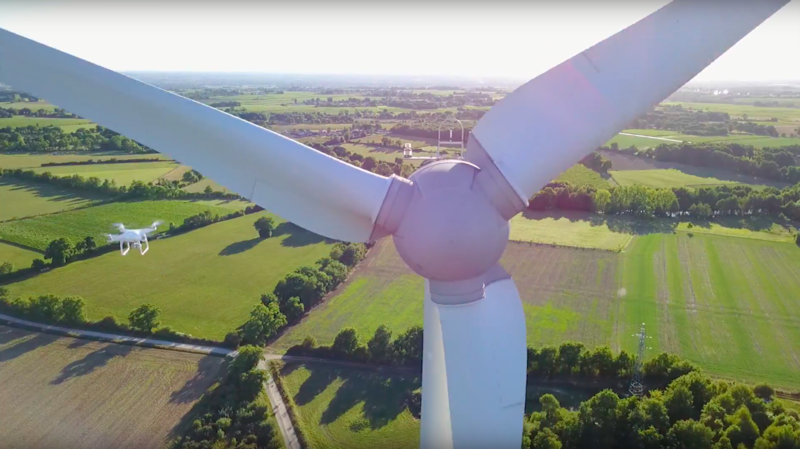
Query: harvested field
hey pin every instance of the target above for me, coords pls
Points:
(58, 392)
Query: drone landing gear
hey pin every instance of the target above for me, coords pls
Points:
(127, 247)
(146, 245)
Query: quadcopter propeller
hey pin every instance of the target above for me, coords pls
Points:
(118, 226)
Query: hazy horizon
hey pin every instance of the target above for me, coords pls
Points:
(500, 40)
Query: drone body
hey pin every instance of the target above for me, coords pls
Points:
(132, 237)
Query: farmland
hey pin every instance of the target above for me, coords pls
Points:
(65, 392)
(75, 225)
(572, 228)
(664, 178)
(579, 175)
(341, 407)
(123, 174)
(28, 160)
(695, 291)
(67, 124)
(29, 199)
(20, 257)
(206, 281)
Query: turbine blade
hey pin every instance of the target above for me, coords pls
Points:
(308, 188)
(554, 120)
(485, 360)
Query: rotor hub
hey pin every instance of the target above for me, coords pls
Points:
(450, 230)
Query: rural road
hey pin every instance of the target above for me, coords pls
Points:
(650, 137)
(120, 339)
(284, 422)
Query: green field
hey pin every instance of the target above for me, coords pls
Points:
(784, 115)
(20, 257)
(351, 408)
(639, 142)
(21, 199)
(96, 221)
(728, 304)
(206, 281)
(200, 186)
(31, 160)
(664, 178)
(33, 106)
(71, 124)
(579, 175)
(576, 229)
(651, 132)
(123, 174)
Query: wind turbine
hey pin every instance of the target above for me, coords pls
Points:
(449, 221)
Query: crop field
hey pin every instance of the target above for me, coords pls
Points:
(664, 178)
(650, 132)
(579, 175)
(625, 142)
(729, 304)
(33, 106)
(95, 221)
(206, 281)
(352, 408)
(20, 257)
(571, 228)
(21, 199)
(65, 392)
(123, 174)
(32, 160)
(200, 186)
(72, 124)
(784, 115)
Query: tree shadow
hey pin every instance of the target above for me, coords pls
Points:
(50, 192)
(240, 247)
(207, 370)
(625, 224)
(92, 361)
(383, 397)
(15, 350)
(296, 236)
(78, 343)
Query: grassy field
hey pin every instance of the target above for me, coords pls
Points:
(32, 160)
(206, 281)
(27, 199)
(728, 304)
(71, 124)
(95, 221)
(123, 174)
(639, 142)
(33, 106)
(577, 229)
(664, 178)
(20, 257)
(579, 175)
(200, 186)
(784, 115)
(339, 407)
(65, 392)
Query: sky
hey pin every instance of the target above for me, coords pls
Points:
(499, 38)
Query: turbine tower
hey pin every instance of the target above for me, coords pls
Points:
(449, 221)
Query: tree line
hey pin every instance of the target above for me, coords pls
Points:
(297, 293)
(777, 163)
(699, 123)
(49, 139)
(692, 412)
(113, 160)
(703, 203)
(234, 414)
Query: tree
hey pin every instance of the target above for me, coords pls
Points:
(600, 200)
(145, 318)
(59, 251)
(208, 190)
(248, 358)
(73, 310)
(264, 323)
(743, 429)
(293, 308)
(45, 308)
(265, 227)
(689, 434)
(380, 345)
(6, 267)
(679, 403)
(38, 264)
(349, 254)
(763, 391)
(86, 245)
(546, 439)
(337, 271)
(346, 341)
(700, 210)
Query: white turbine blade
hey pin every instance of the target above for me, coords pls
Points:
(554, 120)
(435, 431)
(485, 358)
(302, 185)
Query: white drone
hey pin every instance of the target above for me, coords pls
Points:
(132, 237)
(449, 221)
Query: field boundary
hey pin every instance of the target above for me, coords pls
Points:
(118, 339)
(20, 246)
